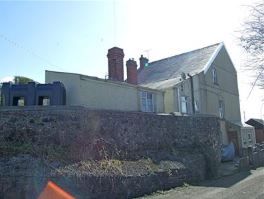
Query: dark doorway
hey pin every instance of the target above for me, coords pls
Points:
(18, 101)
(232, 137)
(43, 101)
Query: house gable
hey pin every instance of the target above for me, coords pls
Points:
(220, 87)
(225, 72)
(221, 59)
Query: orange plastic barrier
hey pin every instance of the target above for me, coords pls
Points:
(52, 191)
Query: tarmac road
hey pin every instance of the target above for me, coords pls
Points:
(243, 185)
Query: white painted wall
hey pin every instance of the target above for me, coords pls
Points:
(98, 93)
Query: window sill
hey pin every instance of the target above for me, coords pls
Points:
(216, 84)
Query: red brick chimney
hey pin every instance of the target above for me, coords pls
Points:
(131, 71)
(115, 64)
(143, 62)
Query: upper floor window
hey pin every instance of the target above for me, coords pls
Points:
(147, 101)
(214, 75)
(221, 109)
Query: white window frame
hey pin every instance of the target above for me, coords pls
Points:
(46, 101)
(214, 75)
(147, 101)
(221, 107)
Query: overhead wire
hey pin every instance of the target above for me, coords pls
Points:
(114, 22)
(29, 51)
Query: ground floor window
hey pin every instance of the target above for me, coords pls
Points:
(196, 106)
(2, 100)
(249, 138)
(184, 104)
(146, 101)
(221, 109)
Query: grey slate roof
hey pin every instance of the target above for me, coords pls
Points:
(166, 72)
(257, 123)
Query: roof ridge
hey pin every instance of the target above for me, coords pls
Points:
(256, 119)
(185, 53)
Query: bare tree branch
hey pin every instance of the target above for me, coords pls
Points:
(252, 40)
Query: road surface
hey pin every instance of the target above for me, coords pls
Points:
(243, 185)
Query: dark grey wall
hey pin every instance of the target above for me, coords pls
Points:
(31, 93)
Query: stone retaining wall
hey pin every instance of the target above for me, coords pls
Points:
(74, 134)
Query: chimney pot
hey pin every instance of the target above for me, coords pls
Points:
(143, 62)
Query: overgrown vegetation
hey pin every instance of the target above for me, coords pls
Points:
(22, 80)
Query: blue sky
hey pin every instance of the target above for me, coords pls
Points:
(74, 36)
(66, 36)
